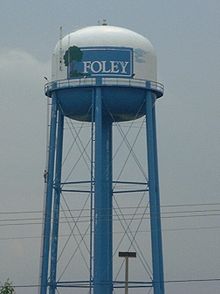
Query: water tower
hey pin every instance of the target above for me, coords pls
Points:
(101, 75)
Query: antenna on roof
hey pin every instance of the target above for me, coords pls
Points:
(61, 49)
(104, 22)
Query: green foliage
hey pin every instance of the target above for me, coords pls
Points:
(72, 54)
(7, 288)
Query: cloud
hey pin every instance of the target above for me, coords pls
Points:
(22, 156)
(22, 120)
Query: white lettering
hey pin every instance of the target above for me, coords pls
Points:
(105, 67)
(123, 65)
(87, 66)
(114, 67)
(96, 66)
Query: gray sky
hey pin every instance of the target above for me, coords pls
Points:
(186, 36)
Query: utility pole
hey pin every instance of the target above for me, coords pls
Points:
(126, 255)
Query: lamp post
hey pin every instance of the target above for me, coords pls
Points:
(126, 255)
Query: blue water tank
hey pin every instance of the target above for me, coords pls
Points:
(119, 60)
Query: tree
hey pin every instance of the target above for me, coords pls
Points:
(72, 54)
(7, 288)
(71, 57)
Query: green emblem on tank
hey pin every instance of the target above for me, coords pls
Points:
(71, 57)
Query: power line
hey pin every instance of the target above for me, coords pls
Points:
(165, 205)
(166, 282)
(138, 216)
(193, 280)
(118, 214)
(118, 232)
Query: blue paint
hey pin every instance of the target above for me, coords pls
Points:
(92, 180)
(56, 205)
(124, 103)
(103, 199)
(103, 104)
(154, 197)
(100, 61)
(48, 201)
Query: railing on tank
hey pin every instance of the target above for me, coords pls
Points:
(123, 82)
(88, 82)
(69, 83)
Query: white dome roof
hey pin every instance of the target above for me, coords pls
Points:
(106, 37)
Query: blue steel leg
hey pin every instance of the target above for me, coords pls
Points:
(102, 200)
(154, 197)
(92, 192)
(56, 205)
(157, 184)
(48, 201)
